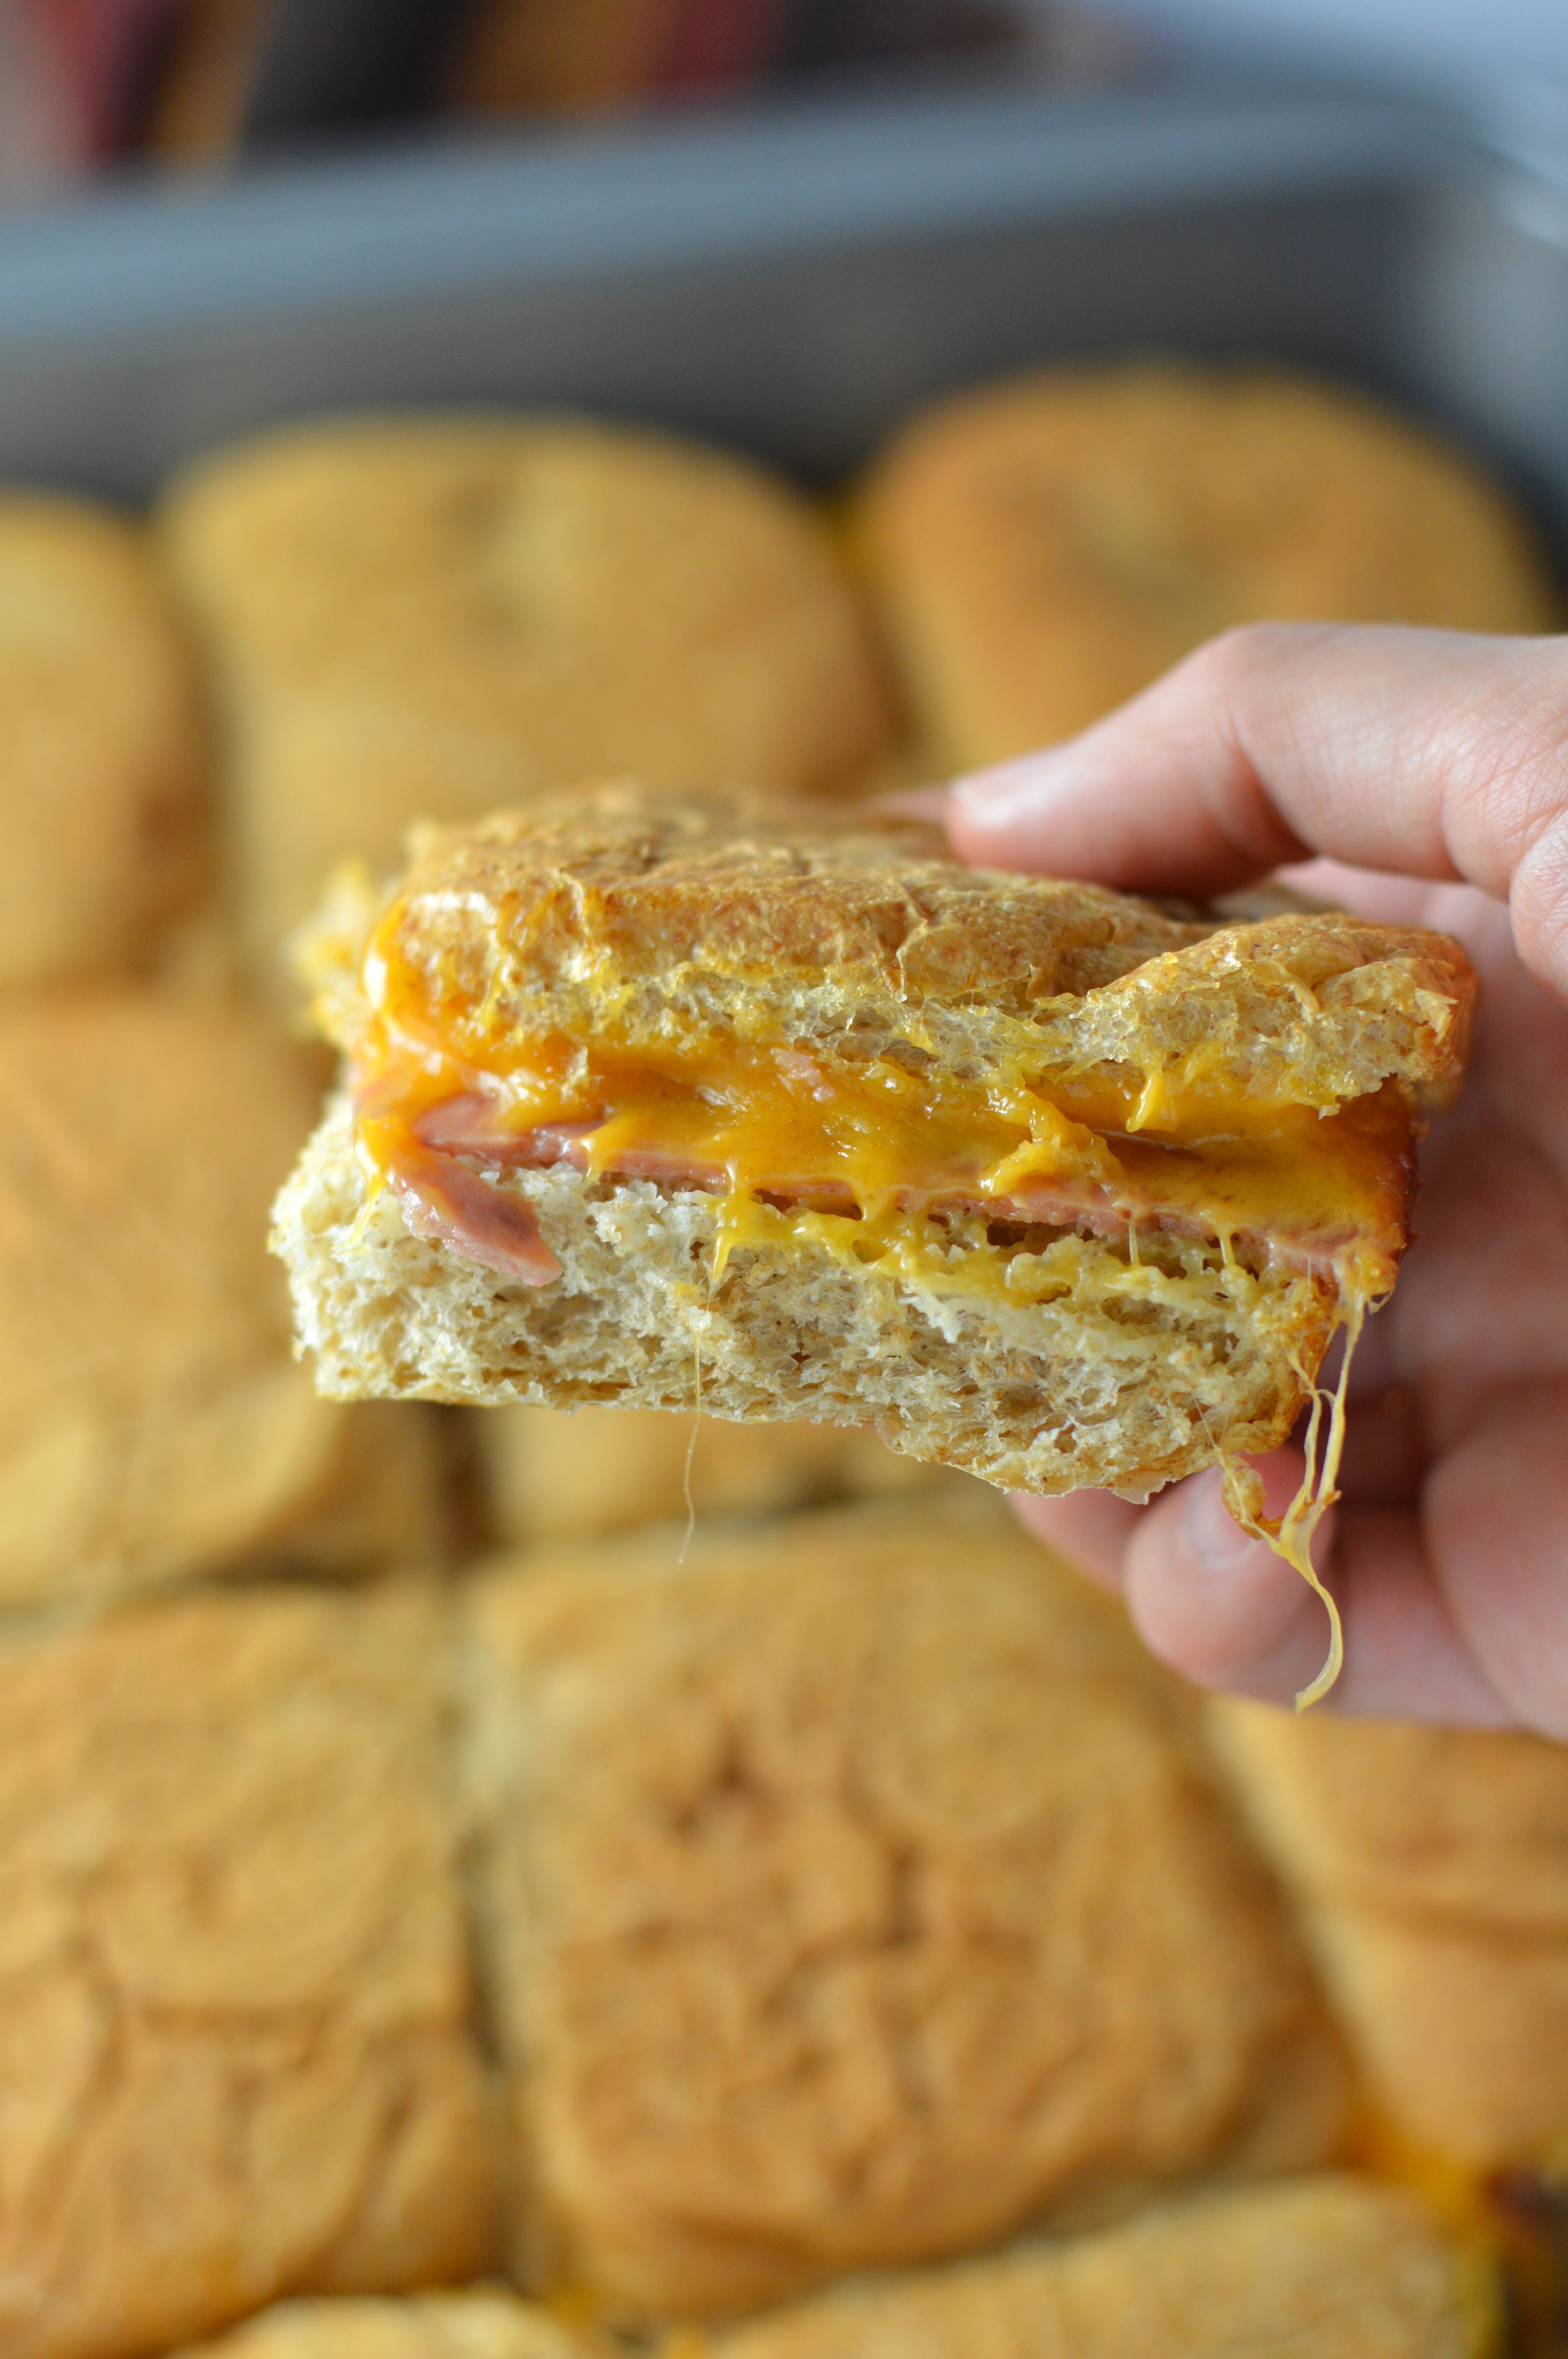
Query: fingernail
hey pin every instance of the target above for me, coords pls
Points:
(1005, 782)
(1014, 790)
(1212, 1532)
(909, 802)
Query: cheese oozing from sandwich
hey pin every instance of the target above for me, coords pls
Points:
(889, 1163)
(880, 1160)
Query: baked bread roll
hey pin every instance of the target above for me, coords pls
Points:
(154, 1424)
(1332, 2265)
(1041, 549)
(1432, 1868)
(727, 1104)
(424, 619)
(842, 1912)
(237, 2052)
(426, 2326)
(556, 1474)
(103, 761)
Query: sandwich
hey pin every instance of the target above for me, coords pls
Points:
(426, 617)
(841, 1914)
(1328, 2265)
(240, 2054)
(486, 2324)
(575, 1474)
(1042, 548)
(728, 1102)
(103, 754)
(1431, 1872)
(153, 1426)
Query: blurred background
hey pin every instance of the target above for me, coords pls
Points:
(741, 288)
(87, 83)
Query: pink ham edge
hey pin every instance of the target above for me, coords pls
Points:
(467, 1126)
(441, 1198)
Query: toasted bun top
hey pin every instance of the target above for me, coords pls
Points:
(619, 914)
(758, 888)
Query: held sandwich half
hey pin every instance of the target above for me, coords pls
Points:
(662, 1102)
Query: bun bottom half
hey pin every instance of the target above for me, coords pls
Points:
(1132, 1374)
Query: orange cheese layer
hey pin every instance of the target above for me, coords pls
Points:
(785, 1135)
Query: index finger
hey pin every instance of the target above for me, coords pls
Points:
(1432, 754)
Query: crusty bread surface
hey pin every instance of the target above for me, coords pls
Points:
(238, 2055)
(103, 755)
(1041, 550)
(1432, 1868)
(836, 1912)
(752, 916)
(1331, 2267)
(750, 919)
(424, 619)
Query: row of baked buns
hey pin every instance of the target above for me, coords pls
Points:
(670, 1934)
(675, 1938)
(413, 619)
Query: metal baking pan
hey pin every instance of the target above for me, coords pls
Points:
(793, 282)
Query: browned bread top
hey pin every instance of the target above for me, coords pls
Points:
(760, 888)
(625, 911)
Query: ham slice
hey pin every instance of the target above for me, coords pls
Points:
(442, 1199)
(475, 1218)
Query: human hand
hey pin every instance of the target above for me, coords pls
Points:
(1428, 771)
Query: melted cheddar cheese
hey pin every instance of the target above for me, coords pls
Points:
(938, 1182)
(872, 1141)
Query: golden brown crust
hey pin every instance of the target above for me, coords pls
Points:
(1044, 548)
(628, 883)
(104, 757)
(650, 916)
(154, 1423)
(1432, 1872)
(425, 618)
(846, 1911)
(238, 2056)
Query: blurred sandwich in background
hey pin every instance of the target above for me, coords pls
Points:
(550, 1474)
(1331, 2265)
(237, 2046)
(1431, 1870)
(105, 767)
(427, 619)
(852, 1894)
(153, 1422)
(1043, 548)
(486, 2325)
